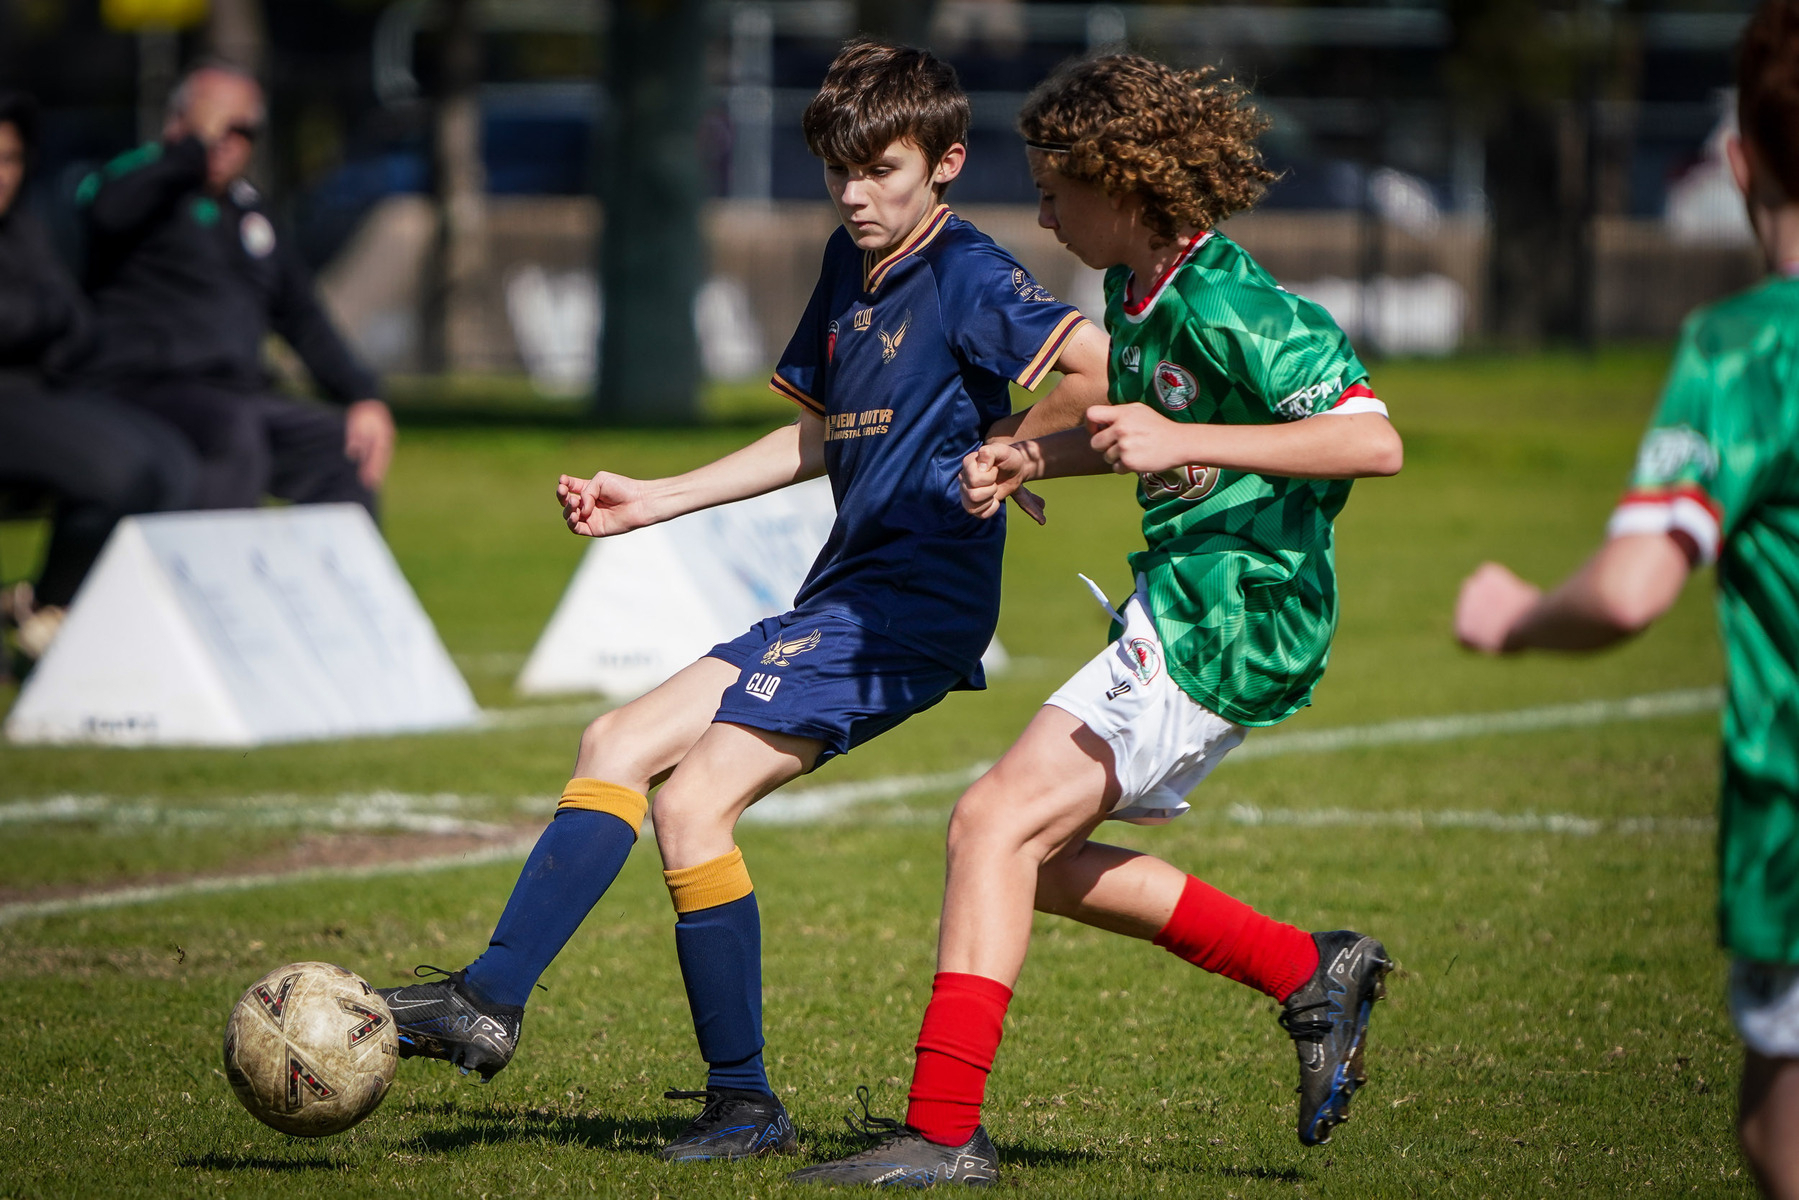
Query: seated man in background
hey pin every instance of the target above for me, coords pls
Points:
(97, 459)
(188, 277)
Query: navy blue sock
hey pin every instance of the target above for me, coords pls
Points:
(570, 868)
(720, 949)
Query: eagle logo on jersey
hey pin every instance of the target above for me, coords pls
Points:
(890, 342)
(1175, 385)
(777, 654)
(1189, 483)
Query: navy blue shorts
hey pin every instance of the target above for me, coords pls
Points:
(827, 678)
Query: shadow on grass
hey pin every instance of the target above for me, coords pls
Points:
(258, 1162)
(1267, 1174)
(623, 1134)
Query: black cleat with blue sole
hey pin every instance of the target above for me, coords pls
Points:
(1327, 1018)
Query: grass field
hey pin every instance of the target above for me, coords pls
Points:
(1556, 1026)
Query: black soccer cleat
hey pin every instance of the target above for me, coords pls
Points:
(733, 1124)
(1327, 1018)
(446, 1019)
(903, 1157)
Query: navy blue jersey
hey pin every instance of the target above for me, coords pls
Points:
(908, 359)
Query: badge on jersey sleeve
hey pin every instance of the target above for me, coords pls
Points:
(1175, 385)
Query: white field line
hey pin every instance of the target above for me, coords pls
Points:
(1523, 720)
(1494, 822)
(395, 810)
(125, 897)
(351, 812)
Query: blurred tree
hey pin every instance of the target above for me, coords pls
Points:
(652, 257)
(459, 183)
(1529, 74)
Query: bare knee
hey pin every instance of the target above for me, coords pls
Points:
(615, 747)
(984, 824)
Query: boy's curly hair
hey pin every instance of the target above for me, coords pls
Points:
(1185, 141)
(1768, 90)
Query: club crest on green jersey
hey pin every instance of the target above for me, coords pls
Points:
(1175, 385)
(1188, 483)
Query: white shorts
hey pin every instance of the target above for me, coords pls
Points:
(1163, 743)
(1764, 1006)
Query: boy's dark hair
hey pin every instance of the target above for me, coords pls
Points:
(20, 111)
(1768, 90)
(876, 93)
(1185, 141)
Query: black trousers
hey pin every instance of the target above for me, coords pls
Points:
(252, 444)
(100, 460)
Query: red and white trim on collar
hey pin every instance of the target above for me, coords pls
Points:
(874, 272)
(1136, 310)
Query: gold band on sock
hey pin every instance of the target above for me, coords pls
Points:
(596, 795)
(714, 882)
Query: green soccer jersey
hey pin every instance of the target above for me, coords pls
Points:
(1239, 572)
(1717, 471)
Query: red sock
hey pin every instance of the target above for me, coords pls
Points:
(955, 1052)
(1227, 937)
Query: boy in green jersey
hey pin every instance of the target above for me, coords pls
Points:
(1717, 481)
(1215, 377)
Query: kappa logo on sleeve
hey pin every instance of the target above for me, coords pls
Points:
(1300, 404)
(1670, 455)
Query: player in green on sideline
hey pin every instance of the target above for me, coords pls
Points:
(1716, 481)
(1244, 413)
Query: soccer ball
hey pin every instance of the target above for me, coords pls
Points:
(310, 1049)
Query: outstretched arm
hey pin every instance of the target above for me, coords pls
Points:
(611, 504)
(1619, 592)
(1135, 439)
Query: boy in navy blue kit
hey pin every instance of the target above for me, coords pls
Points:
(900, 366)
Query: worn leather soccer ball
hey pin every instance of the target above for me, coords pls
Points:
(310, 1049)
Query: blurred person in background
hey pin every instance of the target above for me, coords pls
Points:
(1716, 481)
(188, 277)
(97, 459)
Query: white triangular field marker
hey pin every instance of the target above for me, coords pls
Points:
(242, 628)
(644, 604)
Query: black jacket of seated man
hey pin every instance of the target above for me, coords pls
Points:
(186, 285)
(99, 460)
